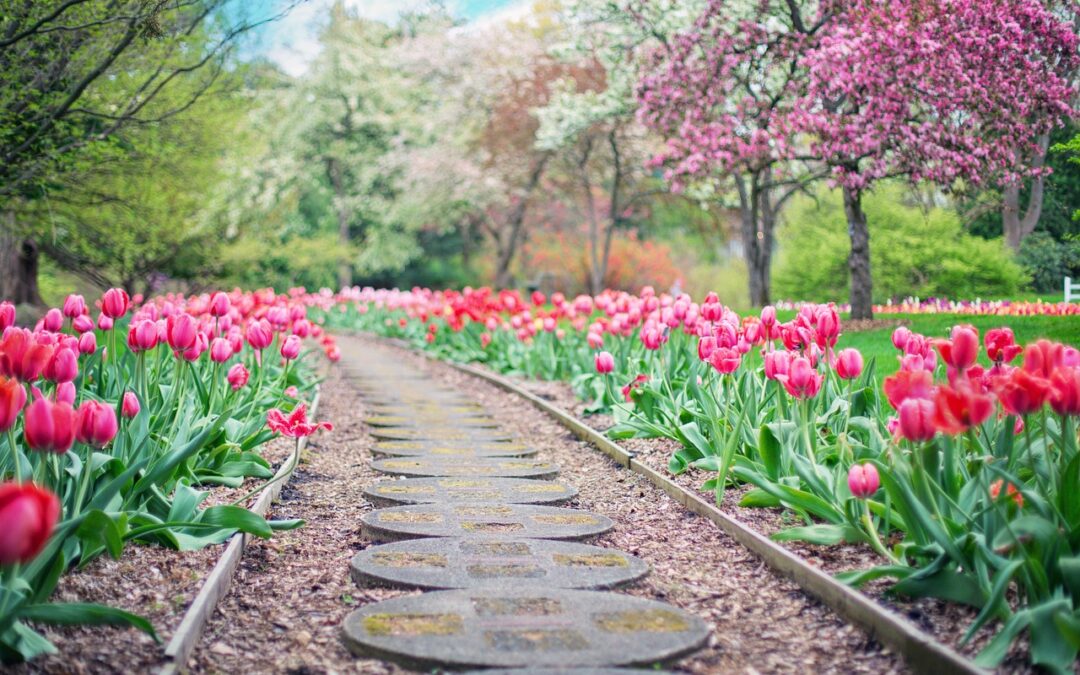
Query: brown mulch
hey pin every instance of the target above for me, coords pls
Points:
(946, 622)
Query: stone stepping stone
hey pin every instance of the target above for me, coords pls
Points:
(451, 449)
(429, 419)
(441, 433)
(467, 490)
(566, 671)
(450, 411)
(494, 467)
(532, 627)
(473, 563)
(482, 521)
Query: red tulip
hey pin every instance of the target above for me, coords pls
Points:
(1021, 393)
(296, 424)
(1001, 345)
(605, 363)
(130, 407)
(957, 409)
(29, 514)
(22, 355)
(220, 350)
(1010, 492)
(237, 376)
(907, 384)
(1064, 391)
(849, 363)
(12, 400)
(95, 423)
(49, 426)
(115, 303)
(916, 419)
(863, 480)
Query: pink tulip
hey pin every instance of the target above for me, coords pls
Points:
(29, 514)
(49, 426)
(142, 336)
(95, 423)
(104, 322)
(130, 407)
(220, 350)
(7, 315)
(53, 321)
(115, 303)
(605, 363)
(63, 366)
(777, 363)
(863, 480)
(900, 337)
(202, 343)
(82, 323)
(65, 393)
(768, 317)
(87, 343)
(260, 334)
(849, 363)
(12, 400)
(290, 348)
(802, 380)
(726, 361)
(916, 419)
(181, 331)
(74, 306)
(219, 304)
(238, 376)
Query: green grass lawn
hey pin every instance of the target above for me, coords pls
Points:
(877, 344)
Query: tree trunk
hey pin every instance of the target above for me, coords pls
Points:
(344, 272)
(506, 247)
(18, 266)
(756, 230)
(1015, 226)
(862, 287)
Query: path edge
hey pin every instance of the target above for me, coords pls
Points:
(219, 581)
(921, 652)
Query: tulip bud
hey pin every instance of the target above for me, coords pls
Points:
(115, 303)
(74, 306)
(49, 426)
(12, 400)
(916, 417)
(863, 480)
(849, 363)
(104, 322)
(29, 514)
(87, 343)
(237, 376)
(220, 350)
(130, 407)
(219, 304)
(95, 423)
(53, 320)
(605, 363)
(290, 348)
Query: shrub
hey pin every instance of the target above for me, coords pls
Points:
(1048, 260)
(913, 251)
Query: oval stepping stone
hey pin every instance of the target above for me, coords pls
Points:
(494, 467)
(482, 521)
(451, 411)
(422, 419)
(451, 449)
(522, 627)
(473, 563)
(440, 433)
(566, 671)
(467, 490)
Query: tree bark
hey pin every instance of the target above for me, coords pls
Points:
(344, 272)
(1014, 225)
(507, 246)
(18, 266)
(862, 286)
(758, 220)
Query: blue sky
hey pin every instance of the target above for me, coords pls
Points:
(292, 42)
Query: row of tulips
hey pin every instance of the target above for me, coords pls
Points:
(117, 418)
(963, 478)
(977, 307)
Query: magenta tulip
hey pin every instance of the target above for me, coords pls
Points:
(29, 514)
(115, 303)
(95, 423)
(863, 480)
(48, 426)
(130, 407)
(605, 363)
(849, 363)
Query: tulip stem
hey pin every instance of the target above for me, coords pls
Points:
(15, 454)
(875, 539)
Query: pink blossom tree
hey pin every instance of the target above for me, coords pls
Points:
(932, 90)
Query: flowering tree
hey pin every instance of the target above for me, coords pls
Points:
(946, 91)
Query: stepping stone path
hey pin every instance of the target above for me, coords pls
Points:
(467, 491)
(473, 515)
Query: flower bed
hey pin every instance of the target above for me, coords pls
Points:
(116, 429)
(959, 478)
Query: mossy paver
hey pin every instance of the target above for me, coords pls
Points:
(494, 467)
(420, 420)
(452, 449)
(490, 520)
(448, 411)
(472, 563)
(448, 432)
(468, 490)
(522, 627)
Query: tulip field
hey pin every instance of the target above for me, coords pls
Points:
(952, 455)
(119, 417)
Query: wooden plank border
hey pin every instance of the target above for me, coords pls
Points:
(218, 582)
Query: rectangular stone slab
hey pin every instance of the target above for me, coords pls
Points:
(467, 491)
(452, 449)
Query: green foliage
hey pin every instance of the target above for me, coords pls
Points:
(1048, 260)
(914, 251)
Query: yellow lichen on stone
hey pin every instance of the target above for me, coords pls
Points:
(591, 560)
(408, 625)
(647, 621)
